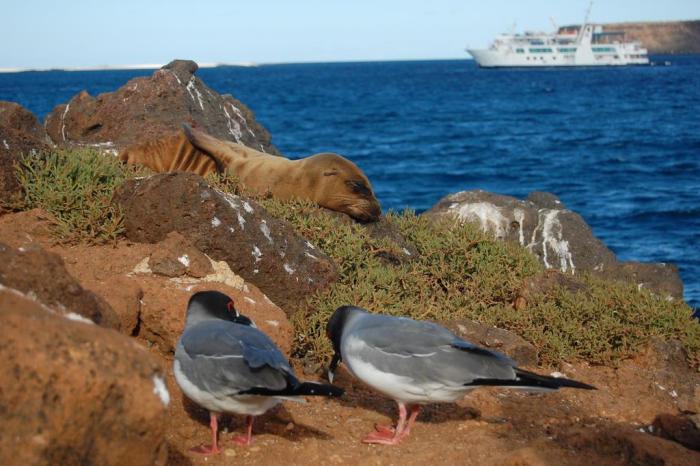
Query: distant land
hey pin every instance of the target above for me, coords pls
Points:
(671, 37)
(660, 37)
(139, 66)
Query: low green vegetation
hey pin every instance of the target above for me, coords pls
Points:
(459, 271)
(462, 272)
(75, 187)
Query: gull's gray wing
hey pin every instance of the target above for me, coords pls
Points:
(423, 351)
(227, 358)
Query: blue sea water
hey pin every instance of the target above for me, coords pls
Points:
(620, 146)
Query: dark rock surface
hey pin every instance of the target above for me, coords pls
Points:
(628, 445)
(496, 339)
(42, 274)
(20, 133)
(175, 257)
(680, 429)
(147, 108)
(263, 250)
(558, 237)
(74, 393)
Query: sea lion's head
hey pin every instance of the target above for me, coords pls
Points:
(340, 185)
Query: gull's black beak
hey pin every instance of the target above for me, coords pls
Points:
(334, 364)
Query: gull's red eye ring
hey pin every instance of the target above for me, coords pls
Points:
(230, 307)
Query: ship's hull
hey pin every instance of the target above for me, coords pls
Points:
(500, 59)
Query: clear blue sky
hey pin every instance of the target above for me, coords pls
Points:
(71, 33)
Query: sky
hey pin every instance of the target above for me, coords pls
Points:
(82, 33)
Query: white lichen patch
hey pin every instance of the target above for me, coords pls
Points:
(160, 390)
(288, 268)
(241, 221)
(273, 323)
(519, 216)
(249, 300)
(142, 267)
(233, 126)
(4, 143)
(552, 238)
(222, 274)
(63, 121)
(184, 260)
(486, 214)
(247, 207)
(557, 375)
(239, 114)
(192, 90)
(311, 256)
(266, 231)
(257, 254)
(77, 318)
(215, 222)
(406, 251)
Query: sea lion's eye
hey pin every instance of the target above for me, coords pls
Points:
(359, 187)
(331, 172)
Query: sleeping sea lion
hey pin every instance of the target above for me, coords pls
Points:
(327, 179)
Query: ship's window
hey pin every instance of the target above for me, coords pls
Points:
(567, 49)
(519, 50)
(603, 49)
(541, 50)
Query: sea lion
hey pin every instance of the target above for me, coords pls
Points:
(171, 153)
(327, 179)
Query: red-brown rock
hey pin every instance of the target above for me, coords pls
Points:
(20, 133)
(147, 108)
(42, 274)
(262, 249)
(73, 393)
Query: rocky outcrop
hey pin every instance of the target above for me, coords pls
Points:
(147, 108)
(496, 339)
(658, 37)
(42, 274)
(627, 445)
(558, 237)
(668, 37)
(263, 250)
(74, 393)
(20, 133)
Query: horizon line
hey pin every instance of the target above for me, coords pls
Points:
(241, 64)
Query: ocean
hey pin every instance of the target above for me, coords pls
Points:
(620, 146)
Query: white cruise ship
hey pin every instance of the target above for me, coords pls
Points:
(585, 45)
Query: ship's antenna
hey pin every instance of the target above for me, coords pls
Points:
(513, 27)
(554, 23)
(588, 12)
(585, 22)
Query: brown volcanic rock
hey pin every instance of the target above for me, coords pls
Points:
(147, 108)
(32, 270)
(175, 256)
(628, 445)
(74, 393)
(260, 248)
(677, 428)
(560, 238)
(496, 339)
(20, 133)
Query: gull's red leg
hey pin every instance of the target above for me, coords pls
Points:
(247, 439)
(212, 449)
(387, 435)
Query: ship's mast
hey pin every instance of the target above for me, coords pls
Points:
(585, 23)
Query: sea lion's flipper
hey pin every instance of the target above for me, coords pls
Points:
(209, 145)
